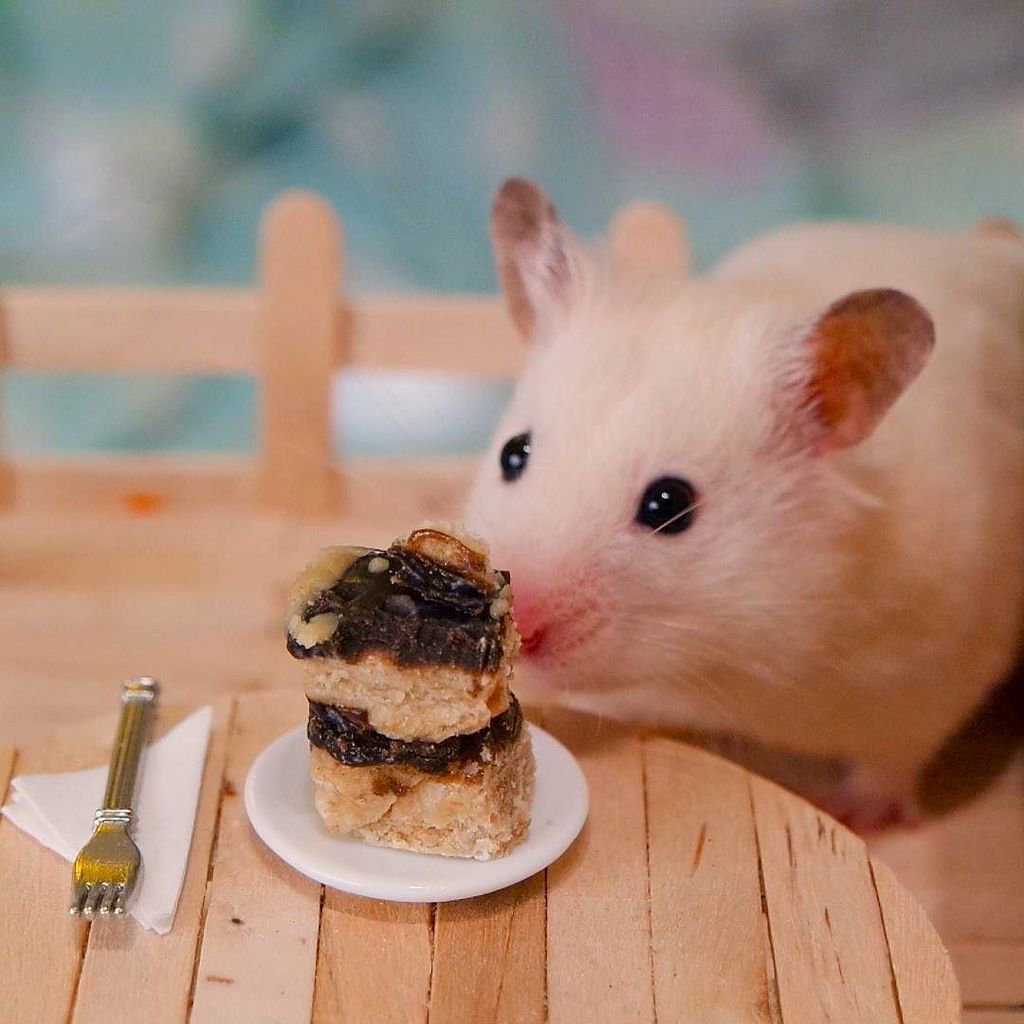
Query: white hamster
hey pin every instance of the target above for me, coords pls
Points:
(783, 500)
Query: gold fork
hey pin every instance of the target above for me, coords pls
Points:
(107, 868)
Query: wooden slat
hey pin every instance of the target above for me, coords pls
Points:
(650, 239)
(178, 331)
(300, 266)
(216, 331)
(39, 963)
(599, 938)
(161, 965)
(444, 334)
(258, 955)
(135, 486)
(709, 959)
(927, 986)
(156, 486)
(490, 958)
(994, 1016)
(830, 951)
(7, 756)
(374, 961)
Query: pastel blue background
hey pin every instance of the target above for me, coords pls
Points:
(142, 141)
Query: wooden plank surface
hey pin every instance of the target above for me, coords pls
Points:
(180, 586)
(258, 956)
(374, 961)
(161, 965)
(709, 958)
(695, 953)
(830, 951)
(997, 1016)
(928, 992)
(300, 266)
(599, 931)
(490, 958)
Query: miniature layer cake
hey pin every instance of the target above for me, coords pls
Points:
(416, 739)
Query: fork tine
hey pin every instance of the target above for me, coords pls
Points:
(109, 899)
(78, 900)
(120, 898)
(96, 894)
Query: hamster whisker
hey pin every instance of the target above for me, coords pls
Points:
(692, 507)
(696, 637)
(720, 656)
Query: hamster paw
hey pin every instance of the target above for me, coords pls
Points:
(866, 810)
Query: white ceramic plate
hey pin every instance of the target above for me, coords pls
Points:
(279, 801)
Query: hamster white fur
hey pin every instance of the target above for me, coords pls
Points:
(852, 582)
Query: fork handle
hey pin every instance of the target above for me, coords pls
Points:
(138, 702)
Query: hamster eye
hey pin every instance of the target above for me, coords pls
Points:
(514, 456)
(668, 505)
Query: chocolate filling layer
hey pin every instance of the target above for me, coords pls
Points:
(345, 734)
(415, 611)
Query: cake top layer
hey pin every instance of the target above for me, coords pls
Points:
(429, 599)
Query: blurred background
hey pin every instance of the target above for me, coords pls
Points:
(142, 141)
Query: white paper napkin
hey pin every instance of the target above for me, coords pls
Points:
(57, 809)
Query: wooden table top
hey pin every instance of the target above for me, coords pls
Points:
(697, 892)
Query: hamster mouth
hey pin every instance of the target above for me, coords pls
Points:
(534, 643)
(562, 640)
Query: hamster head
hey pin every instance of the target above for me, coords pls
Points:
(662, 488)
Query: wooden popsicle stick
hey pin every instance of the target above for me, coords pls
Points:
(7, 755)
(174, 330)
(374, 960)
(599, 936)
(650, 239)
(258, 955)
(709, 961)
(299, 316)
(216, 331)
(924, 976)
(467, 335)
(489, 958)
(161, 965)
(830, 951)
(1009, 1015)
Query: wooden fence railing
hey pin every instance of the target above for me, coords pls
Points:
(291, 333)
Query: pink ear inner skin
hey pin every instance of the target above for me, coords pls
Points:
(868, 347)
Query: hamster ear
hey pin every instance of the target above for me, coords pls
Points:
(866, 349)
(533, 252)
